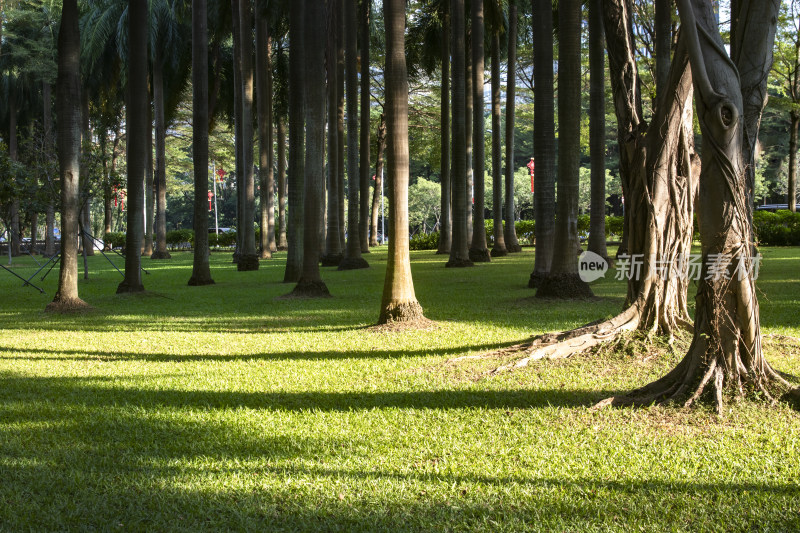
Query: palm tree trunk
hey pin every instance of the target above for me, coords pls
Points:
(376, 193)
(85, 215)
(68, 88)
(563, 281)
(446, 225)
(399, 303)
(597, 130)
(50, 210)
(296, 177)
(510, 230)
(249, 258)
(237, 128)
(264, 115)
(459, 250)
(499, 247)
(161, 163)
(352, 256)
(792, 196)
(333, 252)
(282, 243)
(340, 121)
(310, 284)
(478, 251)
(14, 233)
(201, 271)
(149, 186)
(364, 158)
(138, 102)
(544, 144)
(468, 110)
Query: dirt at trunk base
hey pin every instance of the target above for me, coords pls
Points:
(200, 281)
(309, 289)
(69, 305)
(401, 312)
(564, 287)
(247, 262)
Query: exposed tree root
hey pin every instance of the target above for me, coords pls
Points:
(405, 311)
(353, 263)
(247, 262)
(477, 255)
(67, 305)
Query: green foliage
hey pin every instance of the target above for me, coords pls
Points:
(777, 229)
(424, 241)
(115, 239)
(180, 238)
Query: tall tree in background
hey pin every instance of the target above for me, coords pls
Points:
(352, 256)
(333, 250)
(597, 130)
(478, 251)
(310, 284)
(201, 271)
(446, 225)
(136, 111)
(68, 99)
(248, 260)
(364, 163)
(499, 247)
(264, 117)
(378, 190)
(663, 42)
(544, 141)
(160, 183)
(399, 303)
(563, 280)
(510, 230)
(296, 176)
(459, 249)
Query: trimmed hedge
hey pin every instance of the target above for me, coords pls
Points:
(781, 228)
(424, 241)
(115, 239)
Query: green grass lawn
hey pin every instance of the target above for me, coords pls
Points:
(225, 408)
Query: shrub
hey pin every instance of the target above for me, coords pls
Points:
(115, 239)
(424, 241)
(614, 226)
(526, 231)
(777, 229)
(227, 239)
(180, 237)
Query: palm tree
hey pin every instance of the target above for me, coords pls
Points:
(399, 303)
(160, 251)
(296, 188)
(352, 254)
(314, 34)
(478, 251)
(201, 271)
(364, 163)
(563, 280)
(378, 190)
(510, 230)
(459, 252)
(597, 130)
(68, 89)
(248, 260)
(544, 144)
(333, 252)
(499, 247)
(138, 102)
(264, 117)
(446, 226)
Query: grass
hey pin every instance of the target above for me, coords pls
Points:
(225, 408)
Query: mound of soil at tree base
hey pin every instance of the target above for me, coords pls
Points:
(199, 282)
(353, 263)
(499, 252)
(72, 305)
(536, 279)
(401, 312)
(459, 263)
(330, 260)
(564, 287)
(160, 255)
(479, 256)
(247, 262)
(308, 289)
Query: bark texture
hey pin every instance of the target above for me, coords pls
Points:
(597, 130)
(510, 230)
(160, 251)
(446, 224)
(364, 163)
(478, 251)
(499, 247)
(376, 193)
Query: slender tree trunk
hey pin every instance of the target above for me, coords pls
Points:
(352, 257)
(459, 251)
(544, 143)
(446, 225)
(14, 233)
(249, 258)
(238, 93)
(201, 271)
(282, 243)
(333, 252)
(310, 284)
(376, 194)
(150, 185)
(296, 177)
(161, 162)
(340, 121)
(563, 281)
(663, 42)
(399, 303)
(68, 88)
(510, 230)
(468, 97)
(50, 210)
(364, 157)
(85, 221)
(597, 130)
(792, 196)
(136, 120)
(478, 251)
(264, 115)
(499, 247)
